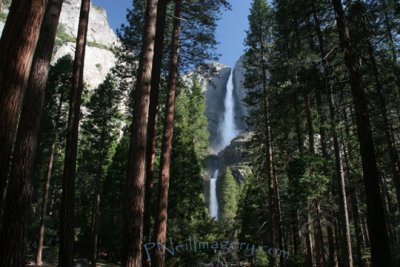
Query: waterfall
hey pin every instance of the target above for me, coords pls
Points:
(213, 195)
(228, 131)
(227, 128)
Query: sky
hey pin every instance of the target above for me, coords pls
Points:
(230, 34)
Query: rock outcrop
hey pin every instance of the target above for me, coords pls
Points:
(214, 91)
(99, 57)
(99, 30)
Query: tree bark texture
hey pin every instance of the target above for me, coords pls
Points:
(17, 45)
(153, 110)
(165, 162)
(135, 181)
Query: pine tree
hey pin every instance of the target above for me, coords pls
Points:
(27, 135)
(58, 87)
(229, 197)
(17, 46)
(376, 219)
(258, 41)
(66, 253)
(100, 130)
(135, 181)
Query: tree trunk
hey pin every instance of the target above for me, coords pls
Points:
(332, 253)
(17, 204)
(343, 207)
(135, 181)
(310, 255)
(353, 199)
(47, 184)
(96, 212)
(295, 232)
(338, 159)
(152, 123)
(165, 161)
(319, 240)
(66, 253)
(97, 193)
(380, 249)
(387, 126)
(272, 182)
(17, 46)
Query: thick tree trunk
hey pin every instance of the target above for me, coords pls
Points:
(17, 204)
(152, 123)
(380, 249)
(47, 183)
(135, 181)
(17, 46)
(66, 254)
(165, 162)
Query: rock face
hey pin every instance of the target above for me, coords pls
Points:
(98, 62)
(99, 30)
(99, 58)
(214, 84)
(214, 91)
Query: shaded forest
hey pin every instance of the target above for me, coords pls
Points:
(117, 175)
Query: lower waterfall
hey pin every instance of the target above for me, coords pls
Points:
(213, 195)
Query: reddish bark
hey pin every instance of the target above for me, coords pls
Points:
(17, 46)
(165, 163)
(135, 181)
(153, 110)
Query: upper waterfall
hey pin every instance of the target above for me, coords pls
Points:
(227, 128)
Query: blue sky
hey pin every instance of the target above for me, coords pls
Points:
(230, 33)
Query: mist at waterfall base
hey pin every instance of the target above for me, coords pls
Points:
(228, 131)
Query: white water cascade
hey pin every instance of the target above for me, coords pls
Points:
(213, 195)
(228, 131)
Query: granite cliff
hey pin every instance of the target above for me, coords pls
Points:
(99, 57)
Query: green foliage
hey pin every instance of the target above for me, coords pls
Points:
(57, 92)
(112, 200)
(186, 206)
(307, 179)
(100, 132)
(62, 36)
(3, 16)
(229, 197)
(252, 215)
(261, 259)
